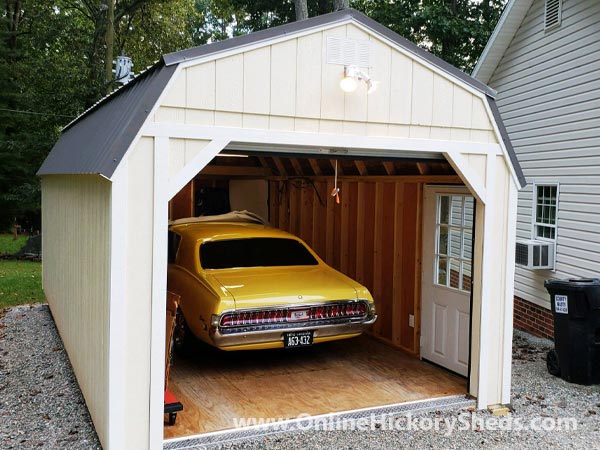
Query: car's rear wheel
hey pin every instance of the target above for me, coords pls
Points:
(182, 336)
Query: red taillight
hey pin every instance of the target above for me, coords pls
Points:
(273, 316)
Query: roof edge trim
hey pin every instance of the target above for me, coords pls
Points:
(507, 143)
(485, 61)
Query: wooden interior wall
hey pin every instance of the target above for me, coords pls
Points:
(182, 205)
(373, 235)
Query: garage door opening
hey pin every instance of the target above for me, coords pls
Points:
(381, 232)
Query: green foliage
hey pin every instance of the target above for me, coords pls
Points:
(10, 246)
(20, 283)
(455, 30)
(52, 59)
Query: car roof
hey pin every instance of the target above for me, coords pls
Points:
(227, 230)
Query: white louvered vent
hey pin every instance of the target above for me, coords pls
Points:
(348, 52)
(552, 14)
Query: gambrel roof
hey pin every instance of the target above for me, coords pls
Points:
(96, 142)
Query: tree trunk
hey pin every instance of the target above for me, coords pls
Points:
(341, 4)
(110, 44)
(301, 9)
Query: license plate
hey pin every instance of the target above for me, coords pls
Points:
(298, 339)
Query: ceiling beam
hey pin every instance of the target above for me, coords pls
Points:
(263, 161)
(280, 166)
(297, 167)
(362, 167)
(314, 165)
(423, 168)
(389, 168)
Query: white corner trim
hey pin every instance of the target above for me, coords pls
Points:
(486, 294)
(159, 292)
(199, 162)
(509, 286)
(117, 326)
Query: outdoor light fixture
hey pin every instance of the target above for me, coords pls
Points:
(351, 78)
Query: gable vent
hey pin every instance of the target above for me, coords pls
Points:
(348, 52)
(552, 14)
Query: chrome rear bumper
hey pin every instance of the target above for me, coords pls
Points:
(276, 335)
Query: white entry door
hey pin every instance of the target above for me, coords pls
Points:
(447, 269)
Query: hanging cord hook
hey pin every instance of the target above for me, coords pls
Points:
(335, 192)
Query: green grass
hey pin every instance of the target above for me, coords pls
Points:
(20, 283)
(9, 245)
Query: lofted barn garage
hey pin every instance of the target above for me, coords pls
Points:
(426, 220)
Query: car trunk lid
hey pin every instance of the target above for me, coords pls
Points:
(284, 286)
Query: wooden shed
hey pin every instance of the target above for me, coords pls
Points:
(427, 219)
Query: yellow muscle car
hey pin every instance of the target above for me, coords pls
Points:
(244, 285)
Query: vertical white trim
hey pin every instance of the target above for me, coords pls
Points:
(117, 326)
(159, 291)
(509, 286)
(486, 274)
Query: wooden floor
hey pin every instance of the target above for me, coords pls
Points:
(215, 387)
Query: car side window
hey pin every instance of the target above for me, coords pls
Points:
(174, 241)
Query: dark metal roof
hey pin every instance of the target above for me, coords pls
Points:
(96, 141)
(319, 21)
(509, 148)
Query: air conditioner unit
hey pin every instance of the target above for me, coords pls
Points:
(535, 254)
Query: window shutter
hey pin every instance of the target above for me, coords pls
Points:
(552, 14)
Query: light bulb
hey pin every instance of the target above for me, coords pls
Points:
(348, 84)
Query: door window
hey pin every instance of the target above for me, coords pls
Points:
(454, 241)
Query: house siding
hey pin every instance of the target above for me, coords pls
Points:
(548, 85)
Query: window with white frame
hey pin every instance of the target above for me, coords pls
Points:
(454, 241)
(545, 211)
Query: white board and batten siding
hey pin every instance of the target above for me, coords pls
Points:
(290, 86)
(548, 84)
(76, 279)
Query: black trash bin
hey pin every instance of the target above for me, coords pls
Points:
(576, 310)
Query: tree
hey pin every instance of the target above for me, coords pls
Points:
(52, 60)
(301, 9)
(455, 30)
(340, 4)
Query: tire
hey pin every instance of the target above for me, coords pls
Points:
(183, 338)
(552, 363)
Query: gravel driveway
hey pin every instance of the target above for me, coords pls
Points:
(41, 405)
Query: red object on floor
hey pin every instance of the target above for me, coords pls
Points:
(169, 397)
(172, 406)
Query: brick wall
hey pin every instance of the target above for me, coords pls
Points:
(533, 319)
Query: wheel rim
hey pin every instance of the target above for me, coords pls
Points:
(179, 332)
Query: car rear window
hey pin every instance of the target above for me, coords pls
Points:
(254, 252)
